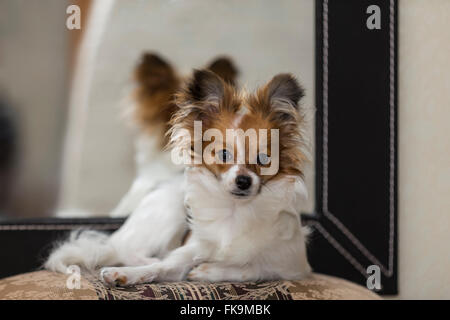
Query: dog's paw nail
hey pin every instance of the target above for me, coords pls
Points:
(197, 274)
(191, 277)
(113, 278)
(121, 280)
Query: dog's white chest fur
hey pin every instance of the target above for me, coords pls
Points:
(240, 231)
(232, 239)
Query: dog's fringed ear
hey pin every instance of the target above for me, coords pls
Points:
(204, 96)
(154, 73)
(278, 99)
(284, 87)
(225, 68)
(205, 86)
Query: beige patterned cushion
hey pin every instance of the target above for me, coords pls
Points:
(52, 286)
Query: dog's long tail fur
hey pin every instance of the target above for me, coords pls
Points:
(88, 249)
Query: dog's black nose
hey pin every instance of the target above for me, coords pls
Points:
(243, 182)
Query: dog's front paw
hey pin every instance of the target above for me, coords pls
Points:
(127, 276)
(114, 277)
(203, 272)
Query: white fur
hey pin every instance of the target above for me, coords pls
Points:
(156, 226)
(228, 180)
(232, 239)
(153, 167)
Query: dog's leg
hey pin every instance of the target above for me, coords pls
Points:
(173, 268)
(138, 260)
(216, 272)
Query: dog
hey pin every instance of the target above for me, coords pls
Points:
(241, 210)
(152, 107)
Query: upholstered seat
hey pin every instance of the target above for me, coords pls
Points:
(53, 286)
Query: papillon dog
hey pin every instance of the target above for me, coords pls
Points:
(233, 215)
(149, 111)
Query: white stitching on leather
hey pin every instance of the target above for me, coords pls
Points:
(27, 227)
(325, 108)
(340, 249)
(391, 135)
(387, 271)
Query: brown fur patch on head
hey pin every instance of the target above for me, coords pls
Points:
(208, 98)
(157, 84)
(276, 103)
(205, 97)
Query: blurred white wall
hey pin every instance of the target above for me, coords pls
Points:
(33, 76)
(264, 37)
(424, 149)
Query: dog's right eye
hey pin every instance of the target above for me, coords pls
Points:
(263, 159)
(225, 155)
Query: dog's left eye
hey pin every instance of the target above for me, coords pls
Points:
(225, 155)
(263, 159)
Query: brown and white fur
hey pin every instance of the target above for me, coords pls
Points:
(244, 225)
(151, 109)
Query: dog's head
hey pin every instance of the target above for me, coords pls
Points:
(244, 139)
